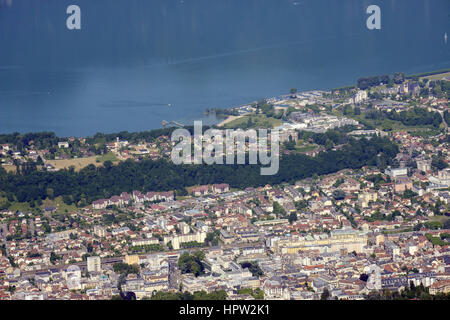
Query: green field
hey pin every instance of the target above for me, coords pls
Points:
(20, 206)
(107, 157)
(424, 134)
(391, 125)
(301, 146)
(439, 218)
(58, 203)
(257, 121)
(61, 207)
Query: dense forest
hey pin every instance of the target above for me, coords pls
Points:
(413, 117)
(48, 140)
(334, 136)
(364, 83)
(135, 137)
(440, 88)
(367, 82)
(41, 140)
(93, 183)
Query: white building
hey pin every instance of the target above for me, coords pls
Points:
(396, 172)
(73, 277)
(374, 280)
(94, 264)
(179, 239)
(360, 97)
(63, 144)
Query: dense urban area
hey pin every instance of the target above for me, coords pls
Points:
(358, 210)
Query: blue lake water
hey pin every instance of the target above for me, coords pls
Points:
(132, 58)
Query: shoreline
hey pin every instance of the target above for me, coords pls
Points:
(228, 120)
(430, 74)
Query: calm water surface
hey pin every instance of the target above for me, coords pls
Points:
(132, 58)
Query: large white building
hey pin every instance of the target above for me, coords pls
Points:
(442, 180)
(359, 97)
(94, 264)
(396, 172)
(179, 239)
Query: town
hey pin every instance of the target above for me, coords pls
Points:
(375, 231)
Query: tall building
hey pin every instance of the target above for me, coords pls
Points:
(177, 240)
(132, 259)
(374, 280)
(94, 264)
(99, 231)
(360, 97)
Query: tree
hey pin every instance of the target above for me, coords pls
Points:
(339, 195)
(50, 193)
(191, 263)
(92, 183)
(249, 122)
(399, 77)
(54, 257)
(212, 238)
(125, 269)
(278, 209)
(363, 277)
(289, 145)
(438, 163)
(253, 267)
(325, 294)
(67, 199)
(39, 161)
(292, 217)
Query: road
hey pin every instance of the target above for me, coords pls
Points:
(3, 233)
(82, 265)
(174, 275)
(443, 119)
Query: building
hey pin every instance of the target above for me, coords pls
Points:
(132, 259)
(366, 197)
(220, 188)
(346, 238)
(100, 204)
(424, 278)
(145, 242)
(94, 264)
(184, 227)
(178, 240)
(396, 172)
(402, 183)
(424, 165)
(226, 237)
(273, 289)
(99, 231)
(374, 280)
(440, 287)
(73, 277)
(288, 135)
(442, 180)
(200, 191)
(360, 97)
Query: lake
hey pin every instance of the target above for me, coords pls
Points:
(135, 63)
